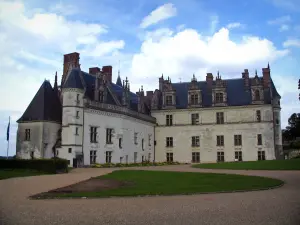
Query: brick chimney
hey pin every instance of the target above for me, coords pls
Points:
(245, 76)
(266, 76)
(94, 70)
(209, 79)
(70, 60)
(107, 70)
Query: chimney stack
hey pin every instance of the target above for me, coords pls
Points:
(209, 79)
(266, 76)
(245, 76)
(94, 70)
(107, 70)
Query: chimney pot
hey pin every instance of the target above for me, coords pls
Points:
(108, 71)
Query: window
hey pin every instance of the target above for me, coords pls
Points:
(109, 135)
(76, 131)
(120, 142)
(143, 144)
(134, 157)
(93, 134)
(135, 138)
(142, 158)
(169, 120)
(69, 162)
(170, 157)
(32, 155)
(27, 134)
(121, 159)
(220, 117)
(70, 150)
(194, 99)
(220, 157)
(219, 97)
(149, 139)
(237, 140)
(220, 140)
(238, 156)
(256, 95)
(101, 96)
(149, 157)
(195, 157)
(259, 139)
(195, 118)
(93, 156)
(195, 141)
(261, 155)
(169, 141)
(277, 121)
(77, 114)
(108, 157)
(77, 98)
(169, 100)
(258, 116)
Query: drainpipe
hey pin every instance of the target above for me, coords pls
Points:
(154, 143)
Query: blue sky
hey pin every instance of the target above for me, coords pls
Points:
(177, 38)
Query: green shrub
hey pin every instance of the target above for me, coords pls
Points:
(55, 165)
(110, 165)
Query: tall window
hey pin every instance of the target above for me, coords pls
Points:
(76, 131)
(135, 138)
(32, 155)
(220, 140)
(149, 139)
(169, 156)
(195, 141)
(237, 140)
(259, 139)
(109, 135)
(120, 142)
(143, 144)
(169, 141)
(169, 100)
(77, 97)
(220, 117)
(220, 157)
(261, 155)
(194, 99)
(93, 134)
(195, 118)
(258, 116)
(77, 114)
(108, 157)
(195, 157)
(219, 97)
(70, 150)
(238, 155)
(93, 156)
(134, 157)
(27, 134)
(169, 120)
(101, 96)
(256, 95)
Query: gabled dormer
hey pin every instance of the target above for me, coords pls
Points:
(126, 93)
(100, 88)
(257, 89)
(219, 93)
(141, 100)
(194, 94)
(168, 93)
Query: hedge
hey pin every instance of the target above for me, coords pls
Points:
(109, 165)
(46, 165)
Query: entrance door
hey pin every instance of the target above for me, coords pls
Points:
(75, 163)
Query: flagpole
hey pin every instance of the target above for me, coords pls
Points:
(8, 139)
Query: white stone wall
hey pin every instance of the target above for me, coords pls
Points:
(50, 135)
(124, 127)
(237, 121)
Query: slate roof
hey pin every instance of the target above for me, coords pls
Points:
(119, 81)
(45, 106)
(237, 95)
(79, 79)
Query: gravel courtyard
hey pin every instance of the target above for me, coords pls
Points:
(277, 206)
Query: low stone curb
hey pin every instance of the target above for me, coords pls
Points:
(163, 195)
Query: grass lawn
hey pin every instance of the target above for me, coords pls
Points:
(172, 183)
(292, 164)
(9, 173)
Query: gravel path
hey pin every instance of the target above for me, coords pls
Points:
(278, 206)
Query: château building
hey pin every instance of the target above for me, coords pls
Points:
(90, 119)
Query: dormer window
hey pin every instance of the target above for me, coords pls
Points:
(219, 97)
(194, 99)
(256, 95)
(169, 100)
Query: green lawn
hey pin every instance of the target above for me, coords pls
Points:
(172, 183)
(9, 173)
(292, 164)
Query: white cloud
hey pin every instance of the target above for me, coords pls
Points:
(292, 5)
(292, 43)
(280, 20)
(234, 25)
(284, 27)
(64, 9)
(161, 13)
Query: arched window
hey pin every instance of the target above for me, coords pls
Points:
(256, 95)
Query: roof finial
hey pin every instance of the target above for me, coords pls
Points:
(55, 81)
(142, 88)
(268, 65)
(162, 75)
(255, 73)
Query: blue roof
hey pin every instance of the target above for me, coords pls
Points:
(73, 80)
(237, 94)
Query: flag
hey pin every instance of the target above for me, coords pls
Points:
(7, 134)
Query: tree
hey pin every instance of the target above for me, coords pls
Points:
(292, 131)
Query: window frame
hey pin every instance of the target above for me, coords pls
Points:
(93, 156)
(195, 141)
(109, 132)
(220, 156)
(169, 142)
(170, 157)
(238, 140)
(220, 117)
(108, 156)
(194, 118)
(220, 140)
(195, 157)
(169, 120)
